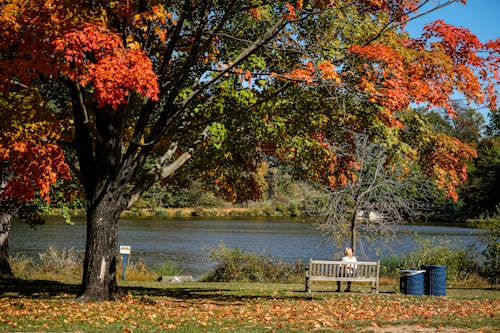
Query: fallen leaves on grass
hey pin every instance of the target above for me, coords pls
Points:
(163, 313)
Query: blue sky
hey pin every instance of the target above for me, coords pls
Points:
(481, 17)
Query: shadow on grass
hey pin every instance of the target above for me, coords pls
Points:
(37, 288)
(55, 289)
(213, 294)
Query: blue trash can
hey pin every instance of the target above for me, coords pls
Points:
(411, 282)
(434, 280)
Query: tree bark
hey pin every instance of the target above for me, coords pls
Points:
(353, 232)
(99, 282)
(5, 269)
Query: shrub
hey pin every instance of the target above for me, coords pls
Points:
(461, 263)
(67, 264)
(61, 262)
(390, 266)
(22, 266)
(236, 265)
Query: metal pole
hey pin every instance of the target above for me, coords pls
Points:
(123, 266)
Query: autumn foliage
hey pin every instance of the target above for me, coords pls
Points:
(392, 71)
(30, 157)
(395, 71)
(115, 71)
(74, 45)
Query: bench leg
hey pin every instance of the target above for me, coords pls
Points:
(308, 285)
(375, 287)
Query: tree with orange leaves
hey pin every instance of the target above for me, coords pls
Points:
(30, 159)
(222, 85)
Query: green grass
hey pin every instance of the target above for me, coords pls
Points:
(42, 306)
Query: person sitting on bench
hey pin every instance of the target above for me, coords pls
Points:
(348, 257)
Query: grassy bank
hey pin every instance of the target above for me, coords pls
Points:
(43, 299)
(181, 212)
(264, 208)
(41, 306)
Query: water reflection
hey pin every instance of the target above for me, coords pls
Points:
(185, 240)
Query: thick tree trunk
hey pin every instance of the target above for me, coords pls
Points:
(99, 281)
(5, 269)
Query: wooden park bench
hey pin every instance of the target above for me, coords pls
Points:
(360, 271)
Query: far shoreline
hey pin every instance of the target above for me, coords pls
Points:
(250, 212)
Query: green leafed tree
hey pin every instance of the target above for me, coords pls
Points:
(155, 85)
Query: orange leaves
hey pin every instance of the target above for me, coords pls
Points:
(67, 40)
(305, 73)
(28, 151)
(430, 69)
(91, 39)
(386, 80)
(310, 73)
(113, 77)
(36, 166)
(98, 57)
(446, 158)
(328, 72)
(457, 42)
(290, 14)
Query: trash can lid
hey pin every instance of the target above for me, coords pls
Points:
(432, 266)
(409, 272)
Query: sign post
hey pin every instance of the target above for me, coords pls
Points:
(124, 251)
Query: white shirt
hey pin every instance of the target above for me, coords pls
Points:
(351, 259)
(350, 268)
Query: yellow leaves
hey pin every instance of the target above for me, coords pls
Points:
(28, 133)
(257, 13)
(158, 14)
(299, 4)
(132, 43)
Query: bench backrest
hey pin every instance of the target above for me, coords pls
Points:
(327, 268)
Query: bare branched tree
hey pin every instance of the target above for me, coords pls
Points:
(380, 197)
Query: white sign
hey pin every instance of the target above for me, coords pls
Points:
(124, 249)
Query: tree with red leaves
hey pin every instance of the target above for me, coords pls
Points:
(223, 84)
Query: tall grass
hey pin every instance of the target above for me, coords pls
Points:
(52, 264)
(168, 268)
(67, 265)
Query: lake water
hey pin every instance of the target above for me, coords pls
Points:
(186, 240)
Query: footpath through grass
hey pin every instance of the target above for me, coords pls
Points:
(49, 306)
